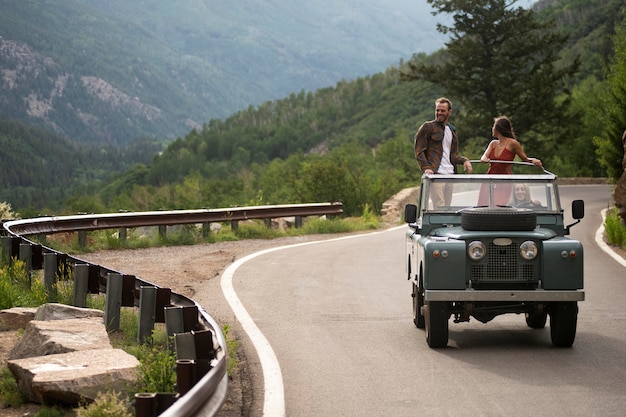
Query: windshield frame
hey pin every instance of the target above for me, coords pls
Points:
(491, 190)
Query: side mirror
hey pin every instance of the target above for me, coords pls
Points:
(578, 212)
(578, 209)
(410, 213)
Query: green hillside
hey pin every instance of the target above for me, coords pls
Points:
(353, 142)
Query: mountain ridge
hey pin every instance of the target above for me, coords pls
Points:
(111, 72)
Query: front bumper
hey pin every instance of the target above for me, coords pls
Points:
(493, 295)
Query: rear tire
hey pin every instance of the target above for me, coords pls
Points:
(418, 303)
(563, 318)
(436, 317)
(536, 320)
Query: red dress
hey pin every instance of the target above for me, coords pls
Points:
(498, 168)
(501, 192)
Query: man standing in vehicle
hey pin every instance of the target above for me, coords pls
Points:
(437, 150)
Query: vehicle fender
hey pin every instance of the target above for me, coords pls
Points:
(562, 264)
(445, 271)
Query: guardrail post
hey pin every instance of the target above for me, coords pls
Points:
(49, 271)
(122, 234)
(7, 252)
(268, 223)
(174, 322)
(147, 310)
(94, 279)
(164, 299)
(298, 222)
(234, 225)
(185, 346)
(206, 229)
(81, 285)
(164, 400)
(145, 404)
(113, 301)
(26, 255)
(185, 378)
(82, 238)
(205, 352)
(162, 231)
(190, 318)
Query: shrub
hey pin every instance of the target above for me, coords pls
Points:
(157, 369)
(108, 404)
(615, 229)
(10, 395)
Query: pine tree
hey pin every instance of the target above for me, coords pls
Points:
(500, 60)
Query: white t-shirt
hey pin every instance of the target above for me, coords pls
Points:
(446, 166)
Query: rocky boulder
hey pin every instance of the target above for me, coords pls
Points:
(60, 336)
(17, 317)
(62, 358)
(74, 377)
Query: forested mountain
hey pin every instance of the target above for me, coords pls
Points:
(353, 142)
(39, 169)
(117, 70)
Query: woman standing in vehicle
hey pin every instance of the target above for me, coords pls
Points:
(504, 147)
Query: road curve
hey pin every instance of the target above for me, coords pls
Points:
(336, 316)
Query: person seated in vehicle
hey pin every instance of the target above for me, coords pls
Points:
(521, 197)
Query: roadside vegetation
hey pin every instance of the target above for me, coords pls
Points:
(157, 369)
(194, 234)
(615, 229)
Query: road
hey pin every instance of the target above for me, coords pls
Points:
(335, 336)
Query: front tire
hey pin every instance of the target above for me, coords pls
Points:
(436, 317)
(563, 318)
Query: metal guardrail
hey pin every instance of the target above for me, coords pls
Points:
(207, 396)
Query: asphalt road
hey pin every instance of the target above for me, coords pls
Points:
(332, 324)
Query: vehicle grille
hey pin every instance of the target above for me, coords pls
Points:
(502, 264)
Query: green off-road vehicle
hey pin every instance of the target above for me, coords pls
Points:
(485, 252)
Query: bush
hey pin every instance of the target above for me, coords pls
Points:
(106, 405)
(615, 229)
(10, 395)
(19, 289)
(157, 369)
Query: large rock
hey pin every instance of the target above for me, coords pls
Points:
(393, 209)
(65, 356)
(60, 336)
(74, 377)
(17, 317)
(53, 311)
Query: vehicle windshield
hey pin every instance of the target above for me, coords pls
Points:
(453, 193)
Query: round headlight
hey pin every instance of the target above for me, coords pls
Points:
(528, 250)
(476, 250)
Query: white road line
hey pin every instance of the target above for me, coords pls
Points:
(274, 396)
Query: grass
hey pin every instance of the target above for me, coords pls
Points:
(10, 395)
(615, 229)
(139, 238)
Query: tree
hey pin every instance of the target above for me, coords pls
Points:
(610, 148)
(500, 60)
